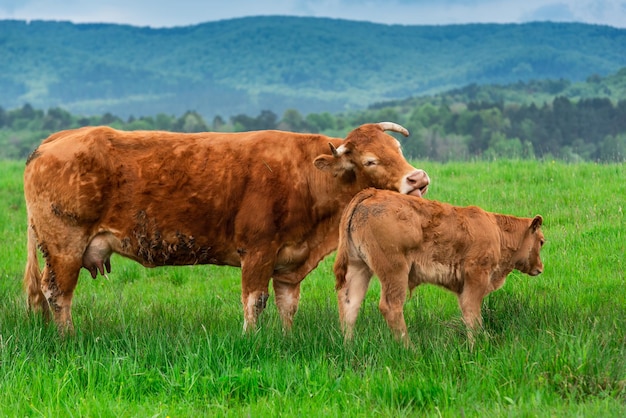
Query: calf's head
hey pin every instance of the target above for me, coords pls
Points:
(371, 158)
(528, 259)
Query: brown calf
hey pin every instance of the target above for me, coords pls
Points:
(407, 241)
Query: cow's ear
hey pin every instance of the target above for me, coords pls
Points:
(325, 162)
(536, 223)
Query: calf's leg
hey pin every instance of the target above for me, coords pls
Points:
(351, 294)
(392, 297)
(470, 302)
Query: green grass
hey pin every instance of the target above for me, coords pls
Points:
(168, 341)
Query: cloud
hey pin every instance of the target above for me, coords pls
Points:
(605, 12)
(608, 12)
(554, 12)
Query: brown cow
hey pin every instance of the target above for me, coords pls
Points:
(268, 201)
(407, 241)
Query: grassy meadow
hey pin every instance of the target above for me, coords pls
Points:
(168, 341)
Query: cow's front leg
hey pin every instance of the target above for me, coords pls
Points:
(287, 298)
(254, 303)
(256, 271)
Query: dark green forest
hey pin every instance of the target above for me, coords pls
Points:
(520, 120)
(279, 63)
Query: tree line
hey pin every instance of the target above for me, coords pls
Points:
(586, 129)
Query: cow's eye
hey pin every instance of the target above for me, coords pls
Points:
(369, 163)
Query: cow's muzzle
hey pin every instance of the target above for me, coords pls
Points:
(416, 183)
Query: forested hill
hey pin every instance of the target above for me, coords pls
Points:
(309, 64)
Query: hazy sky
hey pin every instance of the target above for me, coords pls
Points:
(165, 13)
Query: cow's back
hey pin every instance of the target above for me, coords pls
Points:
(197, 193)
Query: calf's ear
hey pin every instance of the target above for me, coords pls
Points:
(536, 223)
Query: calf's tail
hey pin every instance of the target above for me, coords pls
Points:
(341, 265)
(340, 268)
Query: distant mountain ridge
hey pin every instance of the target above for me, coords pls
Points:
(311, 64)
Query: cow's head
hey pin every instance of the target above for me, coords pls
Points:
(371, 158)
(528, 257)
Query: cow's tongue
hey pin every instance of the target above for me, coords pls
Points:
(416, 192)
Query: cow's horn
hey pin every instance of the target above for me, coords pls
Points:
(390, 126)
(334, 150)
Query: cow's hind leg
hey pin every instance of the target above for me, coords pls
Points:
(36, 300)
(59, 280)
(287, 298)
(351, 294)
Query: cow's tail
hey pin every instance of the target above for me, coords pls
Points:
(32, 275)
(340, 267)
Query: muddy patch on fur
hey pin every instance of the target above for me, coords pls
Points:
(155, 249)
